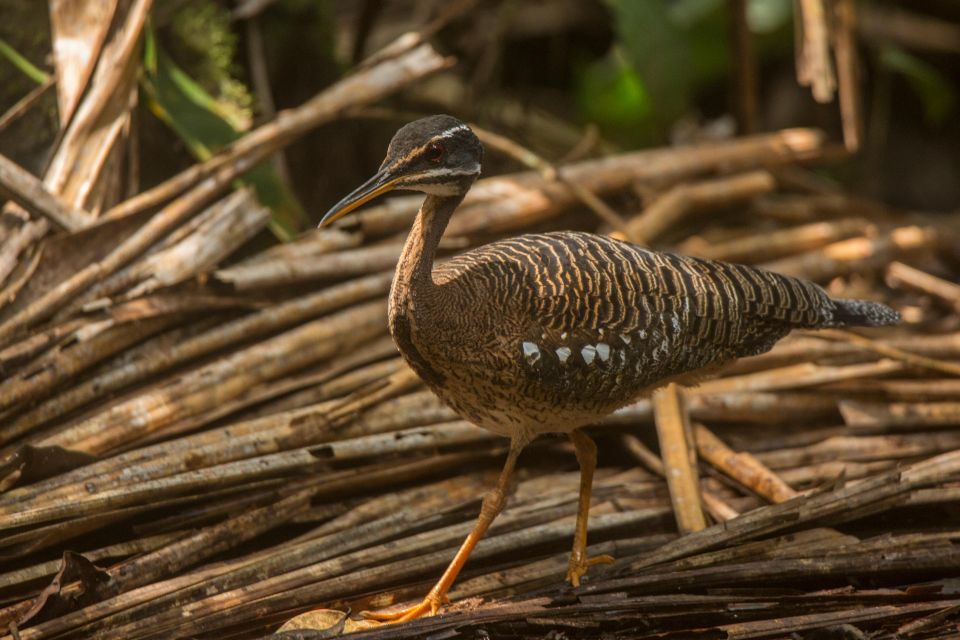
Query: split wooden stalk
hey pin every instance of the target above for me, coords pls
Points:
(714, 504)
(856, 255)
(810, 509)
(330, 266)
(903, 275)
(62, 364)
(672, 424)
(243, 329)
(888, 351)
(220, 577)
(800, 347)
(234, 220)
(770, 245)
(408, 62)
(217, 173)
(214, 383)
(30, 193)
(814, 67)
(674, 205)
(741, 466)
(550, 173)
(360, 571)
(874, 417)
(844, 41)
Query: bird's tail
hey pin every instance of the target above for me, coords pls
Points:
(861, 313)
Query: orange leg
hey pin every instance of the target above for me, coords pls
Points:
(587, 457)
(492, 505)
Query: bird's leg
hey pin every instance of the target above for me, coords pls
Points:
(492, 505)
(587, 457)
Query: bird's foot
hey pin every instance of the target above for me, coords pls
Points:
(428, 606)
(578, 567)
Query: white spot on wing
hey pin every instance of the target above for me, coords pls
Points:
(626, 339)
(531, 352)
(589, 352)
(563, 353)
(603, 350)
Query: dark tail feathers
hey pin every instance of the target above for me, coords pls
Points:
(860, 313)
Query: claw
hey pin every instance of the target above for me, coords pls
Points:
(431, 603)
(578, 568)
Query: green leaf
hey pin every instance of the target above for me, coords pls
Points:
(25, 66)
(611, 94)
(205, 127)
(657, 50)
(938, 95)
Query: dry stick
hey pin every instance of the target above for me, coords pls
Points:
(672, 426)
(60, 365)
(275, 264)
(366, 86)
(742, 467)
(133, 547)
(259, 436)
(856, 255)
(9, 293)
(917, 390)
(888, 351)
(190, 550)
(194, 247)
(239, 219)
(836, 504)
(862, 449)
(902, 275)
(365, 570)
(23, 105)
(31, 194)
(873, 417)
(770, 245)
(551, 173)
(803, 348)
(745, 78)
(717, 507)
(813, 53)
(848, 74)
(214, 383)
(886, 25)
(222, 576)
(220, 337)
(335, 265)
(680, 200)
(796, 376)
(270, 465)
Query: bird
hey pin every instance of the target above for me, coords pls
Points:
(549, 332)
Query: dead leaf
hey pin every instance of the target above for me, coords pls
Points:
(61, 596)
(30, 464)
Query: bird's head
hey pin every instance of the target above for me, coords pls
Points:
(438, 155)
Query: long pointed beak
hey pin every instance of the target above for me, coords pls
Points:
(375, 186)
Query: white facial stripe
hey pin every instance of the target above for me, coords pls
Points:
(451, 131)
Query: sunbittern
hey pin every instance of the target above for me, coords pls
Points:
(550, 332)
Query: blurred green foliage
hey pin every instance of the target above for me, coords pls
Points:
(666, 52)
(205, 126)
(203, 38)
(937, 94)
(23, 65)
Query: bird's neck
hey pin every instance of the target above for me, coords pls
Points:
(414, 271)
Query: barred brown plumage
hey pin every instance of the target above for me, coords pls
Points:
(549, 332)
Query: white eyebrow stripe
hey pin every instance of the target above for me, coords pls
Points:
(451, 131)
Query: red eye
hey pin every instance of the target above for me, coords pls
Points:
(435, 152)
